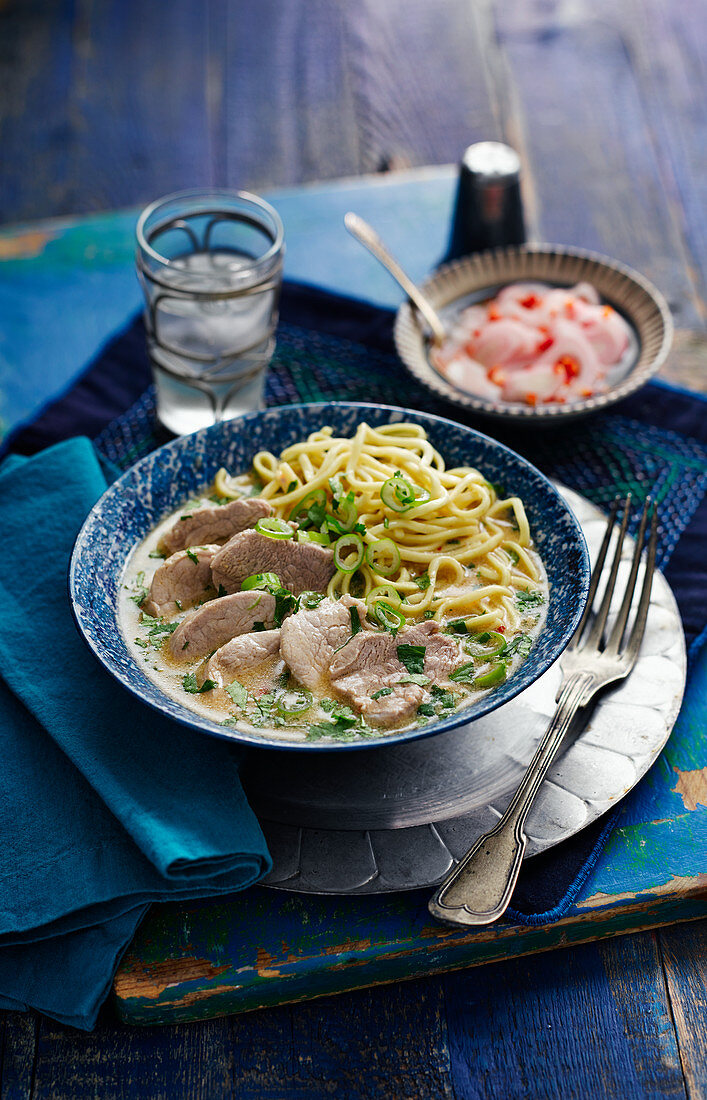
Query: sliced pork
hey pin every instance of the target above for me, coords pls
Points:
(209, 627)
(207, 525)
(369, 664)
(181, 581)
(301, 566)
(309, 639)
(246, 651)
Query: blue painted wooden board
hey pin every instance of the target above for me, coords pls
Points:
(265, 947)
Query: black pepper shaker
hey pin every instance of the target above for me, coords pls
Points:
(488, 211)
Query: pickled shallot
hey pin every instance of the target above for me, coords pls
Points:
(535, 344)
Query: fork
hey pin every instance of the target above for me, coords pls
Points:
(478, 890)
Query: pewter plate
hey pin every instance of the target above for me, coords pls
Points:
(399, 817)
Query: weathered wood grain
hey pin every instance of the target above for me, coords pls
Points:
(419, 80)
(36, 78)
(18, 1034)
(287, 109)
(114, 1063)
(364, 1045)
(642, 1008)
(669, 59)
(142, 120)
(590, 148)
(565, 1025)
(364, 944)
(684, 957)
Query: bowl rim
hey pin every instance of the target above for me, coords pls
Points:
(406, 329)
(236, 736)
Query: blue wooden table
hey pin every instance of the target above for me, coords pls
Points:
(603, 102)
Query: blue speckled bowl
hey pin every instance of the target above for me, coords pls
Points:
(158, 484)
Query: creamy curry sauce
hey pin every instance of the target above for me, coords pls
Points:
(146, 639)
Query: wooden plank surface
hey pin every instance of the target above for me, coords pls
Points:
(108, 104)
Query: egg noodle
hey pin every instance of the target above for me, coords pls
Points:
(424, 531)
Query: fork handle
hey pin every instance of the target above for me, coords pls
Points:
(479, 888)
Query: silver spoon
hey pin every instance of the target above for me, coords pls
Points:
(368, 237)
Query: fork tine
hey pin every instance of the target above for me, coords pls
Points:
(596, 573)
(597, 630)
(614, 642)
(639, 625)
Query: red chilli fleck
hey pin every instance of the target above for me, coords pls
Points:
(531, 301)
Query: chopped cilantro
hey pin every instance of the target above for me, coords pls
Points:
(192, 556)
(423, 581)
(415, 678)
(142, 643)
(386, 521)
(139, 593)
(238, 693)
(186, 644)
(190, 685)
(340, 730)
(339, 711)
(463, 673)
(426, 709)
(284, 602)
(530, 598)
(355, 621)
(163, 628)
(264, 707)
(257, 627)
(360, 528)
(179, 605)
(221, 591)
(316, 514)
(381, 692)
(521, 644)
(156, 554)
(230, 722)
(412, 656)
(457, 626)
(513, 555)
(291, 487)
(429, 614)
(444, 699)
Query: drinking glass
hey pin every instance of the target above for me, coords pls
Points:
(210, 265)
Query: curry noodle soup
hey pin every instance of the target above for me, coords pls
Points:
(344, 588)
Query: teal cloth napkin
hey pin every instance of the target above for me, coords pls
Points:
(104, 805)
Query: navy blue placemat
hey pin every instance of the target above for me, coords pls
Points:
(332, 348)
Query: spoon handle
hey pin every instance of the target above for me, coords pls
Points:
(368, 237)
